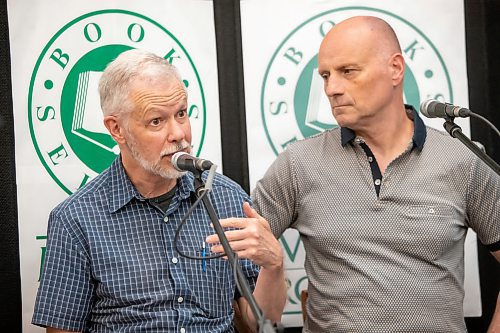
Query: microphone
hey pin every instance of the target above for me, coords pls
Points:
(185, 162)
(435, 109)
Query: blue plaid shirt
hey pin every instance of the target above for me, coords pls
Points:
(111, 265)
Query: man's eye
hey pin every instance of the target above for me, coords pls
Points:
(182, 114)
(324, 76)
(155, 122)
(348, 70)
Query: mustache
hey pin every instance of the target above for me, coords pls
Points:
(182, 145)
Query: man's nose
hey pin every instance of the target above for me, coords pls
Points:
(333, 86)
(175, 131)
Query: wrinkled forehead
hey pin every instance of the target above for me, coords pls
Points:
(149, 93)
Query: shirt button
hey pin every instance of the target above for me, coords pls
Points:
(175, 260)
(183, 330)
(180, 299)
(359, 140)
(165, 219)
(377, 182)
(431, 211)
(370, 159)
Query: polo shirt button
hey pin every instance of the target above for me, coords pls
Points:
(165, 219)
(180, 299)
(175, 260)
(370, 159)
(377, 182)
(431, 211)
(183, 330)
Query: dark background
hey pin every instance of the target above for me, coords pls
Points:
(482, 23)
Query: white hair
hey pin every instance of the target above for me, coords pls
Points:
(114, 85)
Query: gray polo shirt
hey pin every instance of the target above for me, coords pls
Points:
(385, 262)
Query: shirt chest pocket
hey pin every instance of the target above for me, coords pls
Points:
(430, 230)
(126, 271)
(429, 211)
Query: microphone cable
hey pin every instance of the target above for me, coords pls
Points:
(475, 115)
(208, 188)
(181, 225)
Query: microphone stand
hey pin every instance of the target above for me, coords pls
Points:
(456, 132)
(264, 325)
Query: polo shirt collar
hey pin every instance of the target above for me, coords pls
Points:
(420, 131)
(122, 191)
(347, 135)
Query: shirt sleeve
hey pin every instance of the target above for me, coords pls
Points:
(65, 293)
(483, 204)
(275, 195)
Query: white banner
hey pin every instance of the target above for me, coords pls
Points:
(59, 49)
(285, 101)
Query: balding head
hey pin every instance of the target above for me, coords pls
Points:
(367, 32)
(362, 67)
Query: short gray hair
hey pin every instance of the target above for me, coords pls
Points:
(114, 85)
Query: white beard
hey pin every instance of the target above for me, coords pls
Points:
(155, 167)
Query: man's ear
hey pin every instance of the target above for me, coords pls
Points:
(115, 128)
(397, 64)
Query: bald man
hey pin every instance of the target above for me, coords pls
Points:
(381, 204)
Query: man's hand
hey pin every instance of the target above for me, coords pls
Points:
(252, 240)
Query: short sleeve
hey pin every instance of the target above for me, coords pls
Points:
(65, 293)
(275, 194)
(483, 204)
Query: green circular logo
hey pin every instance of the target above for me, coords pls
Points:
(292, 91)
(64, 112)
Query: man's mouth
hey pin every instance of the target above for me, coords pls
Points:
(339, 106)
(169, 155)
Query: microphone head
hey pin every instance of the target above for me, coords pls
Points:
(427, 107)
(175, 160)
(183, 161)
